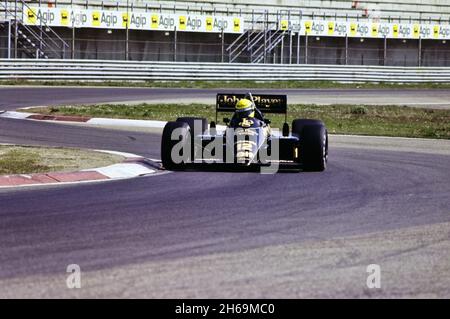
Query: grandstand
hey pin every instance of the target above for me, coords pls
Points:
(271, 31)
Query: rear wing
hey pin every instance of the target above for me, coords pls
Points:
(266, 103)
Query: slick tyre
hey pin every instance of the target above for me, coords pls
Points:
(313, 144)
(197, 125)
(180, 132)
(192, 121)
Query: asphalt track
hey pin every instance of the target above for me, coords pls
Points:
(34, 96)
(225, 234)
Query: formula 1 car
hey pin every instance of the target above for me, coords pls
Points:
(245, 141)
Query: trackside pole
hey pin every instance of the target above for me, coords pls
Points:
(346, 49)
(223, 46)
(9, 39)
(290, 46)
(306, 49)
(127, 33)
(419, 55)
(175, 44)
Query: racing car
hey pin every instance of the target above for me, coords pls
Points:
(245, 141)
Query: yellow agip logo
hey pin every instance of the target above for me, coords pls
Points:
(209, 23)
(353, 29)
(308, 26)
(96, 19)
(436, 30)
(395, 30)
(64, 17)
(182, 23)
(237, 24)
(31, 16)
(125, 21)
(375, 29)
(154, 21)
(416, 30)
(284, 24)
(331, 26)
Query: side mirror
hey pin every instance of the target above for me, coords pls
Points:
(285, 129)
(226, 120)
(267, 121)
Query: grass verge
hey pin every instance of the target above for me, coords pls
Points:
(237, 84)
(28, 159)
(340, 119)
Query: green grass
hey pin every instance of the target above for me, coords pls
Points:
(21, 162)
(339, 119)
(288, 84)
(27, 159)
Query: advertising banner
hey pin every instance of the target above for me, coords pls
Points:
(367, 29)
(135, 20)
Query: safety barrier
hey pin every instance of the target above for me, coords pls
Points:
(95, 70)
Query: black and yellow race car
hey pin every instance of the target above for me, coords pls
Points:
(245, 140)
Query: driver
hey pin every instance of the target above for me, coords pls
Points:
(244, 108)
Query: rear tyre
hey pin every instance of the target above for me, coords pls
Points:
(297, 125)
(313, 144)
(167, 144)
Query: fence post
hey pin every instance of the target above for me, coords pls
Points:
(290, 46)
(300, 13)
(9, 39)
(127, 35)
(41, 34)
(16, 31)
(175, 44)
(266, 18)
(419, 56)
(223, 46)
(73, 42)
(306, 49)
(72, 53)
(346, 49)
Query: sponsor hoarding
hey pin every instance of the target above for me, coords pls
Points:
(136, 20)
(367, 29)
(83, 18)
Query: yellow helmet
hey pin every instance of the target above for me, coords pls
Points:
(245, 108)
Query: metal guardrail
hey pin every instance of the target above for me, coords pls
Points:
(94, 70)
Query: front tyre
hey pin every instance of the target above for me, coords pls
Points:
(181, 134)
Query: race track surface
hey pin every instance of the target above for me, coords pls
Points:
(226, 234)
(36, 96)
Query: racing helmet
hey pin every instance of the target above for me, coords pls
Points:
(245, 108)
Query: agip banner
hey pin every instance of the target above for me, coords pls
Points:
(135, 20)
(367, 29)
